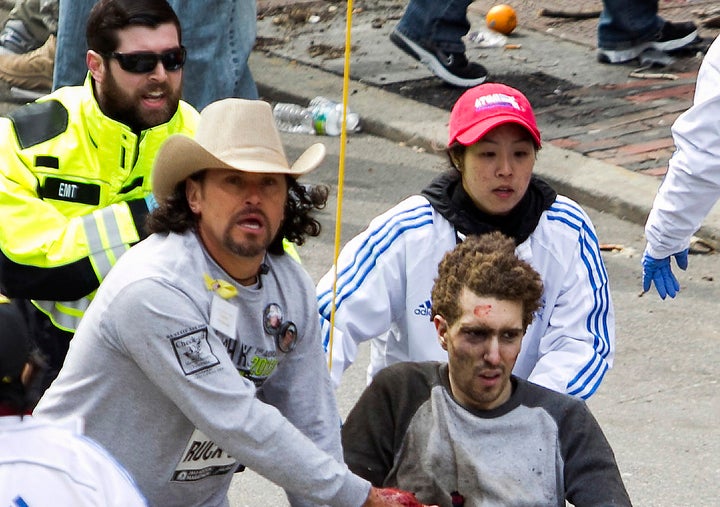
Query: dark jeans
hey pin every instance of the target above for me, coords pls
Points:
(628, 23)
(442, 22)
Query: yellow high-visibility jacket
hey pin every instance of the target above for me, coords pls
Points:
(72, 189)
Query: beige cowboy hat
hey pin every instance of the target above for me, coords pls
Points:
(231, 134)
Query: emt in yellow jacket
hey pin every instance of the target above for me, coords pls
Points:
(75, 165)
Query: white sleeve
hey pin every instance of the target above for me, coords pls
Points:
(578, 345)
(46, 463)
(370, 289)
(692, 184)
(118, 489)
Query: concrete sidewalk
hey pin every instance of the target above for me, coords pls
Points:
(607, 136)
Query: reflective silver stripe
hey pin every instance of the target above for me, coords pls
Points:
(112, 228)
(64, 314)
(101, 258)
(97, 251)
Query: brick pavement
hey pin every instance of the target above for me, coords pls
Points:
(626, 123)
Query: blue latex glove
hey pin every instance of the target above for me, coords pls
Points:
(660, 272)
(150, 202)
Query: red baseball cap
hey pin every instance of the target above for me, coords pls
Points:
(486, 106)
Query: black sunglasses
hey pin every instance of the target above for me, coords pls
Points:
(144, 62)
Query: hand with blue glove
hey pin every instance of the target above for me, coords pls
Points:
(660, 272)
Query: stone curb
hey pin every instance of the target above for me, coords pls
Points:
(597, 184)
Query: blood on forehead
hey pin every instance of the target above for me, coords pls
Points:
(482, 310)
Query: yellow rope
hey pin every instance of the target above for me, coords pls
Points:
(341, 174)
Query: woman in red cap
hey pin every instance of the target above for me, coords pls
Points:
(385, 274)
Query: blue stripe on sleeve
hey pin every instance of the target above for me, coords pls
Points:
(376, 242)
(597, 320)
(585, 389)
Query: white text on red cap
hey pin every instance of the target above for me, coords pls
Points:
(495, 99)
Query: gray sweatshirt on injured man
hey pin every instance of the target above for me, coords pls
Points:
(153, 371)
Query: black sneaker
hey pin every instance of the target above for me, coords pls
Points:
(672, 36)
(675, 36)
(453, 68)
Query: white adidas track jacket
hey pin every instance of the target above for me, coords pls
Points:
(386, 274)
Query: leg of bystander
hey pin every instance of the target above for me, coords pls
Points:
(627, 28)
(432, 32)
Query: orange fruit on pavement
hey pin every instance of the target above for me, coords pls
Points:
(501, 18)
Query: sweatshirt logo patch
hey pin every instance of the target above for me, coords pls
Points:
(193, 351)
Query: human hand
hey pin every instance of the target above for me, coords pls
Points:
(391, 497)
(660, 272)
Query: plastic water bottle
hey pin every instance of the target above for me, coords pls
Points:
(322, 117)
(327, 117)
(293, 118)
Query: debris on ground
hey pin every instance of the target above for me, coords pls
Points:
(327, 51)
(699, 246)
(709, 17)
(553, 13)
(641, 74)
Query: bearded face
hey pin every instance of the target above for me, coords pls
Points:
(149, 105)
(140, 100)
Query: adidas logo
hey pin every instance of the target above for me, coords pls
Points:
(423, 308)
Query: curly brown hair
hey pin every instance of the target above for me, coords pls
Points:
(175, 215)
(486, 265)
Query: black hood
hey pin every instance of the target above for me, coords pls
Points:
(447, 195)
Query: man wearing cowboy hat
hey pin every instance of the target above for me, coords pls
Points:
(153, 367)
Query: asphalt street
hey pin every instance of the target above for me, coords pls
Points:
(658, 406)
(295, 61)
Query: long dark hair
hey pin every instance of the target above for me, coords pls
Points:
(175, 215)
